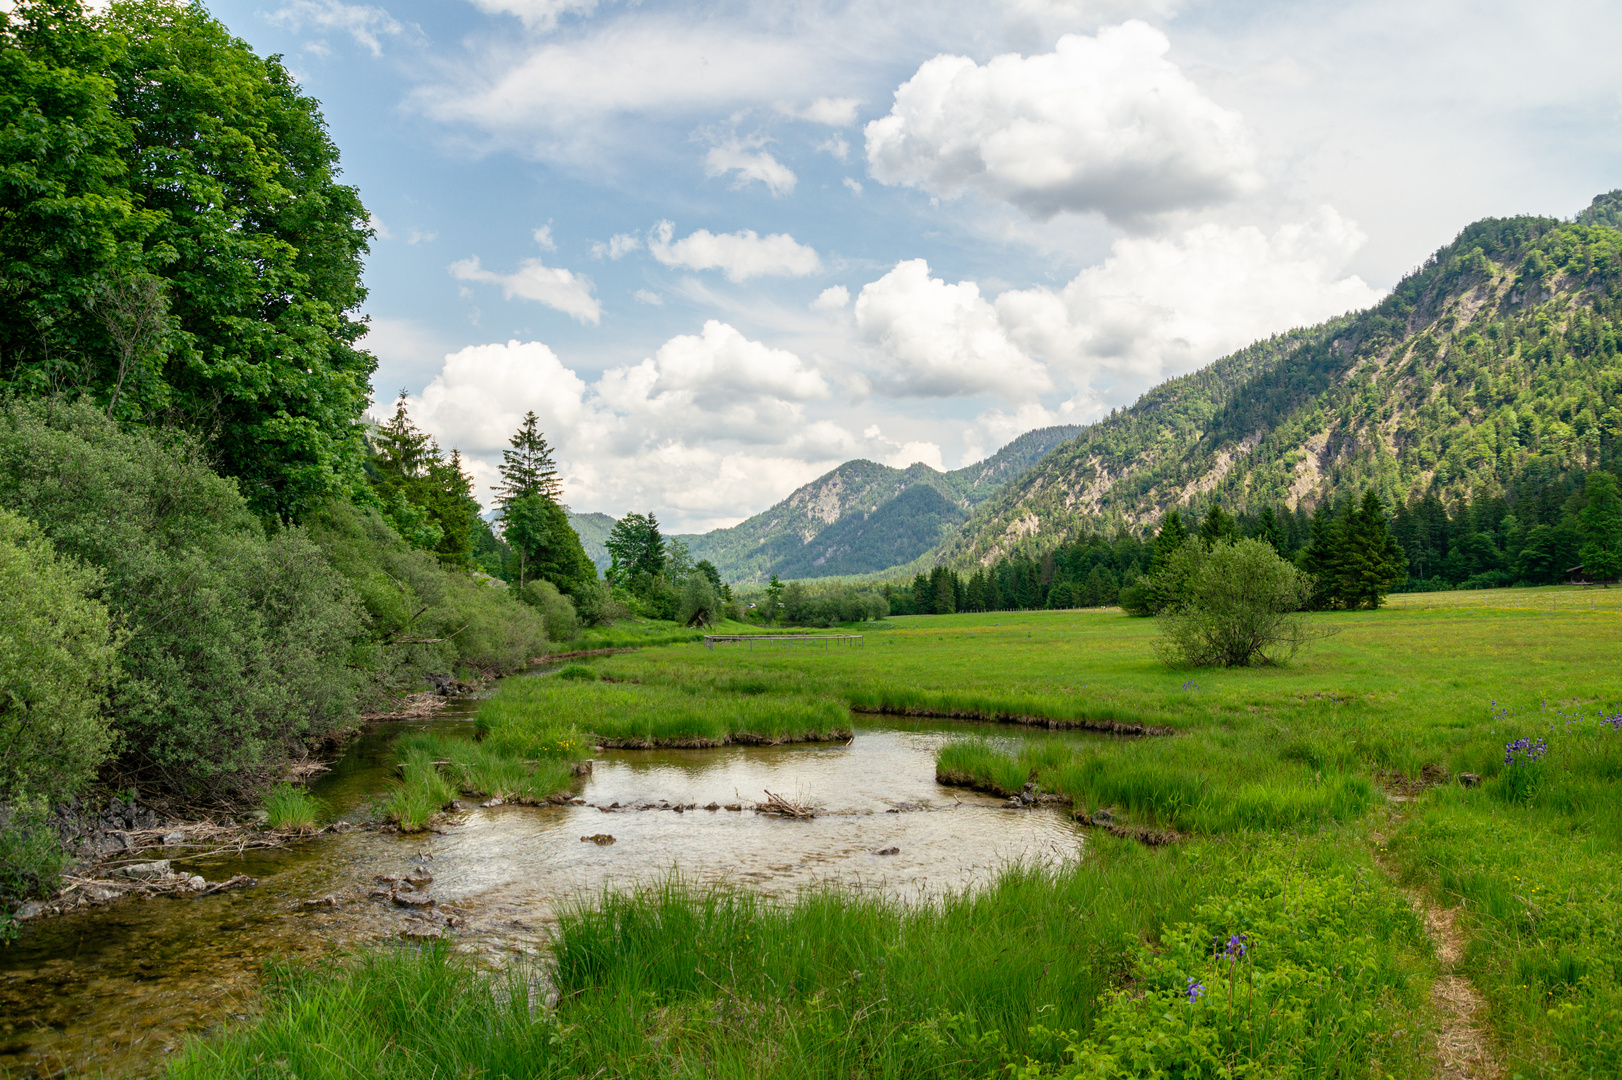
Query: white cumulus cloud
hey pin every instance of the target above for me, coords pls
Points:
(834, 112)
(619, 245)
(1102, 123)
(739, 255)
(553, 286)
(833, 298)
(751, 164)
(940, 340)
(1160, 307)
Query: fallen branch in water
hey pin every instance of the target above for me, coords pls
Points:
(778, 806)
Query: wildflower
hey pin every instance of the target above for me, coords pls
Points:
(1195, 990)
(1524, 751)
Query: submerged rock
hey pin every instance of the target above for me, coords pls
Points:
(734, 806)
(147, 870)
(713, 806)
(600, 839)
(412, 898)
(888, 851)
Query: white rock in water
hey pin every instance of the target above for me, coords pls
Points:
(146, 870)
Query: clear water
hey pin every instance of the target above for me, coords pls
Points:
(114, 989)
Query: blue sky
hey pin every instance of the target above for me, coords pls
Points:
(720, 248)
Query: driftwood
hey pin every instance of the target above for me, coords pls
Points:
(778, 806)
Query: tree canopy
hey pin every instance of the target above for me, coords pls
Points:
(175, 245)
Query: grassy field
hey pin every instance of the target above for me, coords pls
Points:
(1318, 806)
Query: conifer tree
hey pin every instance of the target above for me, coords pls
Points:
(1170, 538)
(1371, 560)
(1269, 530)
(1602, 529)
(1321, 557)
(528, 468)
(1217, 528)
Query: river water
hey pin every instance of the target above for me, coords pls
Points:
(115, 989)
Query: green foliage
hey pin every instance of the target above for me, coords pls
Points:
(192, 259)
(421, 617)
(421, 792)
(1602, 528)
(58, 656)
(1291, 971)
(1236, 606)
(578, 673)
(31, 858)
(291, 806)
(700, 601)
(637, 549)
(239, 642)
(527, 469)
(427, 497)
(562, 624)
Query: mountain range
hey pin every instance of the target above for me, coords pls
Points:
(1495, 360)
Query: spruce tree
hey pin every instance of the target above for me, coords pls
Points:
(1217, 528)
(1321, 557)
(527, 468)
(1371, 559)
(1169, 539)
(1269, 530)
(1602, 528)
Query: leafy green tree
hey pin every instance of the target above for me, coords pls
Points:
(1238, 607)
(636, 547)
(700, 601)
(58, 658)
(175, 245)
(1372, 561)
(772, 609)
(527, 467)
(1602, 528)
(526, 527)
(707, 568)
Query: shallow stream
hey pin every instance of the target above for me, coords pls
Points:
(116, 988)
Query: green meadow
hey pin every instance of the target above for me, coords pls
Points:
(1315, 812)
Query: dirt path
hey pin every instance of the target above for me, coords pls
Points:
(1463, 1047)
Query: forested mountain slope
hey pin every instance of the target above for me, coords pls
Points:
(593, 530)
(1491, 366)
(863, 516)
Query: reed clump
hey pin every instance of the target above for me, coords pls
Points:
(291, 806)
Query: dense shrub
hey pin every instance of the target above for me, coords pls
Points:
(562, 624)
(238, 641)
(421, 616)
(58, 655)
(1234, 605)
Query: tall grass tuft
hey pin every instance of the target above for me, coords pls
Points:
(421, 792)
(291, 806)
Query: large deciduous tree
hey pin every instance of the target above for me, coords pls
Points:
(175, 244)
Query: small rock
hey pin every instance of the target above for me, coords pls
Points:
(1013, 803)
(888, 851)
(99, 895)
(146, 871)
(412, 898)
(417, 931)
(494, 800)
(577, 802)
(679, 809)
(419, 877)
(195, 882)
(111, 843)
(713, 806)
(388, 879)
(614, 806)
(601, 839)
(31, 910)
(174, 838)
(1103, 817)
(734, 806)
(260, 817)
(1469, 779)
(325, 901)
